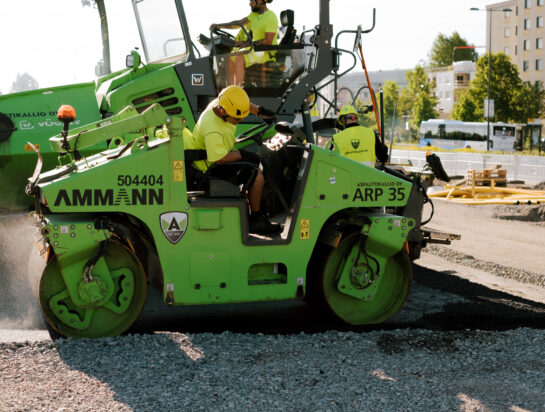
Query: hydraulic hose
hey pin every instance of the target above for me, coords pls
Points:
(370, 89)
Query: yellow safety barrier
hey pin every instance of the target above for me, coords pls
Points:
(489, 195)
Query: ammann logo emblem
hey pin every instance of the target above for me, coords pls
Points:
(173, 225)
(355, 143)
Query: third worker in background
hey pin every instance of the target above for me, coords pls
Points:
(357, 142)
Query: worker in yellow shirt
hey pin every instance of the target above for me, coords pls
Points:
(215, 133)
(356, 142)
(262, 23)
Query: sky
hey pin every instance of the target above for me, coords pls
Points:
(58, 41)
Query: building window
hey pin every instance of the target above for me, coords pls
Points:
(527, 4)
(506, 33)
(526, 44)
(539, 43)
(516, 30)
(539, 21)
(540, 2)
(516, 49)
(539, 64)
(506, 50)
(525, 66)
(527, 24)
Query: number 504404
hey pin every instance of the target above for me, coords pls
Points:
(139, 180)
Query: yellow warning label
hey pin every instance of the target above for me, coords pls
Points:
(28, 148)
(178, 171)
(304, 229)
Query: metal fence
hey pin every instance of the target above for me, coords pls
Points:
(530, 169)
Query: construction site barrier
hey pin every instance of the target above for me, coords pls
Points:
(530, 169)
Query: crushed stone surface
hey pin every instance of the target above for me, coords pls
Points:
(398, 370)
(406, 369)
(509, 272)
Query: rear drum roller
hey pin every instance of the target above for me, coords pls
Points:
(130, 285)
(393, 287)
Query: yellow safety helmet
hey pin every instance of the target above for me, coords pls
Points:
(348, 110)
(345, 111)
(235, 102)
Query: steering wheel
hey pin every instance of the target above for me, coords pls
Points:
(291, 132)
(223, 33)
(255, 133)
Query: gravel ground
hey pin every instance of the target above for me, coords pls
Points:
(388, 369)
(400, 370)
(509, 272)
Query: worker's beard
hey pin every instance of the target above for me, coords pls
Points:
(256, 9)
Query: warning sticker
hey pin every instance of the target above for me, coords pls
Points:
(304, 229)
(28, 148)
(178, 171)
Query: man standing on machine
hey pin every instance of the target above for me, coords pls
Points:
(215, 133)
(262, 24)
(356, 142)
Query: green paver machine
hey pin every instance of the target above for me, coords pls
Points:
(167, 70)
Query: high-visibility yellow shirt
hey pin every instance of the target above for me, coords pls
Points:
(213, 134)
(241, 36)
(260, 24)
(264, 23)
(356, 143)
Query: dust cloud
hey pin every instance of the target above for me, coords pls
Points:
(20, 270)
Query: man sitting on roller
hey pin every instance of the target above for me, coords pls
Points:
(215, 133)
(262, 23)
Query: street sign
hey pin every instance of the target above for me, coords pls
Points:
(486, 112)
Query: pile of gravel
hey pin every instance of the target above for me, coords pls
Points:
(409, 370)
(539, 186)
(523, 213)
(508, 272)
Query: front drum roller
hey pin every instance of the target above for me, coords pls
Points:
(393, 289)
(111, 318)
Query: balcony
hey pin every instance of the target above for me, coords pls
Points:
(461, 84)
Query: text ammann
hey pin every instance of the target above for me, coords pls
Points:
(109, 197)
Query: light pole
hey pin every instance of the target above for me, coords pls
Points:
(489, 10)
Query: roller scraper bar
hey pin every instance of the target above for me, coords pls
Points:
(127, 121)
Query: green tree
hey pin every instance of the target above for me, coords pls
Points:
(511, 96)
(391, 98)
(423, 109)
(466, 109)
(417, 81)
(442, 51)
(529, 102)
(417, 99)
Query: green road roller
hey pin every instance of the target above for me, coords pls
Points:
(133, 215)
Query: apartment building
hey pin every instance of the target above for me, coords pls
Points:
(450, 82)
(520, 34)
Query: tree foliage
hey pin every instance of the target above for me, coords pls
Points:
(514, 100)
(417, 99)
(467, 109)
(423, 109)
(24, 82)
(391, 98)
(441, 54)
(529, 102)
